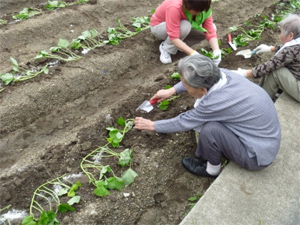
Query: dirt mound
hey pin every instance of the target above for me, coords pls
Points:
(50, 123)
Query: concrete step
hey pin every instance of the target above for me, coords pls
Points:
(268, 197)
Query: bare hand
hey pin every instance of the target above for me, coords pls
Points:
(164, 94)
(143, 124)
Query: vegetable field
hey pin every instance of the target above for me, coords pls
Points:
(71, 77)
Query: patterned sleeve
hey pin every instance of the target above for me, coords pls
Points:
(283, 58)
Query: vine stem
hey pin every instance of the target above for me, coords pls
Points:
(36, 193)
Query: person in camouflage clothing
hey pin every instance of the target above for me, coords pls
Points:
(282, 72)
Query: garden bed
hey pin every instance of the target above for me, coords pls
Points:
(51, 122)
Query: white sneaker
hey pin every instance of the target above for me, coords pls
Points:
(165, 57)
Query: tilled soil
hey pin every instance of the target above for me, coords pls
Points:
(49, 123)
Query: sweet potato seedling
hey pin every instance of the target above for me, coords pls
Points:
(26, 13)
(165, 104)
(87, 40)
(60, 52)
(45, 200)
(55, 4)
(141, 23)
(21, 74)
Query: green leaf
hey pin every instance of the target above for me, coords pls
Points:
(55, 49)
(115, 137)
(73, 189)
(65, 208)
(74, 200)
(63, 191)
(175, 76)
(104, 170)
(100, 183)
(94, 33)
(28, 221)
(115, 183)
(7, 78)
(47, 218)
(101, 191)
(128, 176)
(164, 105)
(121, 121)
(14, 62)
(125, 157)
(63, 43)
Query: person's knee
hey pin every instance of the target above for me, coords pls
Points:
(210, 128)
(185, 28)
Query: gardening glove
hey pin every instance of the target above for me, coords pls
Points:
(262, 48)
(194, 53)
(241, 72)
(217, 55)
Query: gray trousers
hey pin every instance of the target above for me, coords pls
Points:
(281, 78)
(187, 34)
(215, 141)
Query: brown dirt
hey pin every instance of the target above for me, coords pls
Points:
(49, 123)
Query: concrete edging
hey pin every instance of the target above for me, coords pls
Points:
(267, 197)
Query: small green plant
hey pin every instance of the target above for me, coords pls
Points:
(61, 52)
(26, 13)
(55, 4)
(91, 162)
(175, 76)
(87, 40)
(46, 202)
(194, 199)
(3, 21)
(116, 35)
(164, 105)
(116, 135)
(253, 33)
(78, 2)
(141, 23)
(21, 74)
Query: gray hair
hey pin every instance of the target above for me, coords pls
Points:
(199, 71)
(291, 24)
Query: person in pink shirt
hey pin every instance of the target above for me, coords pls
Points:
(181, 24)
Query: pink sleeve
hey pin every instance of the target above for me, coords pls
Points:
(208, 25)
(173, 18)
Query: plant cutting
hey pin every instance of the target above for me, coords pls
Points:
(87, 40)
(43, 198)
(55, 4)
(141, 23)
(26, 13)
(165, 104)
(61, 52)
(21, 74)
(91, 162)
(115, 35)
(3, 21)
(116, 135)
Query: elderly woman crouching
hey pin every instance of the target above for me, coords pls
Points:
(235, 118)
(282, 72)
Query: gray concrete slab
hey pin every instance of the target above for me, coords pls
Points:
(267, 197)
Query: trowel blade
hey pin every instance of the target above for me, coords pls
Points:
(145, 106)
(246, 53)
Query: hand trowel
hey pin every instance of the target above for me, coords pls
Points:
(147, 106)
(247, 53)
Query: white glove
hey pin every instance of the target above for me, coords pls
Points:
(241, 72)
(217, 55)
(262, 48)
(195, 53)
